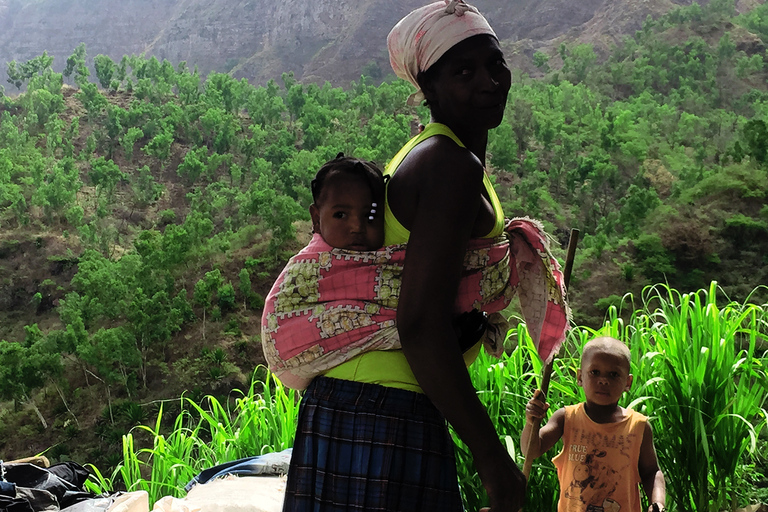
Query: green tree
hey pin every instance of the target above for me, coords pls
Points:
(188, 85)
(112, 354)
(20, 73)
(541, 60)
(104, 175)
(726, 48)
(93, 101)
(76, 64)
(749, 65)
(145, 188)
(204, 289)
(105, 69)
(177, 244)
(194, 164)
(523, 125)
(221, 90)
(246, 289)
(295, 100)
(57, 191)
(756, 135)
(265, 106)
(133, 135)
(657, 263)
(386, 134)
(24, 369)
(153, 320)
(226, 296)
(635, 206)
(160, 146)
(372, 70)
(113, 125)
(578, 62)
(278, 212)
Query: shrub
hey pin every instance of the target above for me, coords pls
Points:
(607, 302)
(226, 296)
(654, 260)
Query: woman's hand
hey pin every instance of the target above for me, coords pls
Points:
(503, 481)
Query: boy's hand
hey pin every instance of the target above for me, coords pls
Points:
(536, 408)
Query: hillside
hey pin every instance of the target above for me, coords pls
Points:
(145, 211)
(318, 41)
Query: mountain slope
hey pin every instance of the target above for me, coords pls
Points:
(260, 39)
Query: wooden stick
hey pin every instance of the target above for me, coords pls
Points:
(545, 377)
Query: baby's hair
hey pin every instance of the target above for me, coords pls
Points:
(608, 345)
(369, 171)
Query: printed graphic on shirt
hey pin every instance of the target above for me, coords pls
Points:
(598, 463)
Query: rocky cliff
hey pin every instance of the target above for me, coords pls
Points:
(260, 39)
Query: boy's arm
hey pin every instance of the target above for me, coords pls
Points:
(548, 434)
(650, 474)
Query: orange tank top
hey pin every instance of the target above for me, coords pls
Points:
(598, 465)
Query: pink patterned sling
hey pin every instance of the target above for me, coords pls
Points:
(329, 305)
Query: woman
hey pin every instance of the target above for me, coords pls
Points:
(372, 432)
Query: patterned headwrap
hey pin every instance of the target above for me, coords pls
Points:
(424, 35)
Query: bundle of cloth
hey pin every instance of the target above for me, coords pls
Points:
(329, 305)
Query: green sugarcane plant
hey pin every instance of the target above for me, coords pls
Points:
(700, 376)
(202, 436)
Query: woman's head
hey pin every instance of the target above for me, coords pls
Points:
(348, 204)
(421, 38)
(467, 87)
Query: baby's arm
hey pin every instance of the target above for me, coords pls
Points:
(650, 474)
(549, 433)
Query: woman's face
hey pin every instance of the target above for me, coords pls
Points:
(467, 89)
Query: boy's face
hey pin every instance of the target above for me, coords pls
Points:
(604, 377)
(343, 215)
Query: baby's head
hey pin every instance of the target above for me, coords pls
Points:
(348, 207)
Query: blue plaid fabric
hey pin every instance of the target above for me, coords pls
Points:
(369, 447)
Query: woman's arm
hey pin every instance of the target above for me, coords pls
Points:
(448, 189)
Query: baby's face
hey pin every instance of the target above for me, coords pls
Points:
(343, 217)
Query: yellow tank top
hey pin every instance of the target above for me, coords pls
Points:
(390, 367)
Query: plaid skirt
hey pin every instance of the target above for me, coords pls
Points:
(370, 447)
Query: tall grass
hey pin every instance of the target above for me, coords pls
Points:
(699, 372)
(703, 380)
(202, 436)
(504, 386)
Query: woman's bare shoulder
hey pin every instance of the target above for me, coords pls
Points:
(439, 156)
(439, 175)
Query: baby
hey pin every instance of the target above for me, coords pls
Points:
(348, 213)
(348, 207)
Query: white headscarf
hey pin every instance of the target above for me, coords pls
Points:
(424, 35)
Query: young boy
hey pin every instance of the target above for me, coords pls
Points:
(607, 450)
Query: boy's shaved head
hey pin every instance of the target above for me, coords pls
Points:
(607, 345)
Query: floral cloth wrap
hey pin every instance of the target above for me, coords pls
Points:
(329, 305)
